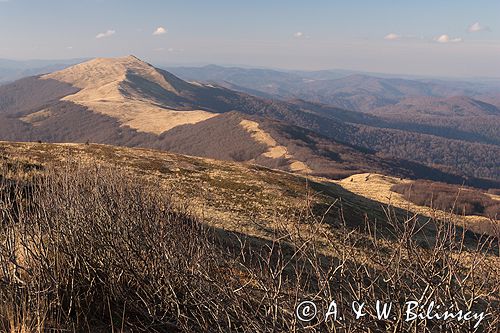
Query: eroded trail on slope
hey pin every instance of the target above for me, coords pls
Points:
(274, 149)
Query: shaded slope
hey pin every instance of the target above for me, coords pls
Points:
(432, 106)
(31, 94)
(139, 105)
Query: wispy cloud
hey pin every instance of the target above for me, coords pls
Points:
(105, 34)
(170, 49)
(299, 34)
(160, 31)
(395, 36)
(392, 36)
(447, 39)
(477, 27)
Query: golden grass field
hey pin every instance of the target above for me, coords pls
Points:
(243, 197)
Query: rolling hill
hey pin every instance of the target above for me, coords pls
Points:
(458, 110)
(457, 106)
(412, 104)
(347, 89)
(125, 101)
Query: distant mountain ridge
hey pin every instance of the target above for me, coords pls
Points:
(125, 101)
(449, 106)
(347, 89)
(12, 70)
(450, 109)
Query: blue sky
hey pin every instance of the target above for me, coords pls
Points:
(443, 38)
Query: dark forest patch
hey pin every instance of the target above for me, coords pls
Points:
(451, 198)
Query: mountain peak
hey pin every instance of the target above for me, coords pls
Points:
(132, 57)
(110, 74)
(132, 91)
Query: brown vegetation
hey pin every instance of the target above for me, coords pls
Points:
(88, 248)
(494, 191)
(459, 200)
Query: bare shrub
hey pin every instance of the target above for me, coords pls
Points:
(86, 248)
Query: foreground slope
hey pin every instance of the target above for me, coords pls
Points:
(239, 197)
(157, 242)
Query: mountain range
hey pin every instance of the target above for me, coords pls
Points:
(350, 90)
(415, 104)
(126, 101)
(12, 70)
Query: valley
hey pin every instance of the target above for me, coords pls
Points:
(139, 105)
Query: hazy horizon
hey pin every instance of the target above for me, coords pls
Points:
(454, 39)
(348, 71)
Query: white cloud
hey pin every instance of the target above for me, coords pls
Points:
(447, 39)
(298, 34)
(477, 27)
(160, 31)
(105, 34)
(392, 36)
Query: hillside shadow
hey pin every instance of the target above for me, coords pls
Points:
(363, 214)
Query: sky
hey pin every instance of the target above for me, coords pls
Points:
(459, 38)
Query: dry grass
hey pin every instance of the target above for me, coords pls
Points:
(84, 247)
(145, 116)
(101, 72)
(275, 150)
(378, 187)
(227, 195)
(103, 90)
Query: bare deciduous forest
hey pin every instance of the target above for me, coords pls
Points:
(450, 198)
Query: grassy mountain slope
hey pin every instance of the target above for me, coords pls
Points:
(151, 241)
(235, 196)
(126, 101)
